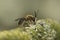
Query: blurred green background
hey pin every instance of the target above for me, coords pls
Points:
(12, 9)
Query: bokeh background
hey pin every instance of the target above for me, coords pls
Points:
(13, 9)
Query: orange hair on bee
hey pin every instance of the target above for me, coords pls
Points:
(29, 17)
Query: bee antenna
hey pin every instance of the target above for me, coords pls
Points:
(36, 13)
(17, 19)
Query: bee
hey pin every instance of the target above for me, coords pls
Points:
(29, 19)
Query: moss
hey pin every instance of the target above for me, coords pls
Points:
(35, 32)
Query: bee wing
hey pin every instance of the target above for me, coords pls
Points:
(21, 20)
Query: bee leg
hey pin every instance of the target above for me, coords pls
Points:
(34, 21)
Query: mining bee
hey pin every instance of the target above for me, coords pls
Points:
(28, 19)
